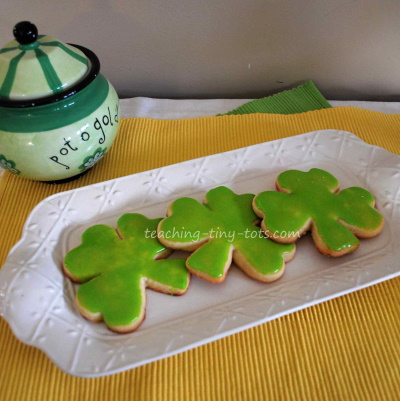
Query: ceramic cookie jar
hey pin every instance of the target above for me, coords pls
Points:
(58, 114)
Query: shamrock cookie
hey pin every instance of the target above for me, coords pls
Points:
(311, 201)
(220, 230)
(115, 268)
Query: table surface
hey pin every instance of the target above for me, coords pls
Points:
(179, 109)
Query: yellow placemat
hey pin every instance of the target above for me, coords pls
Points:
(344, 349)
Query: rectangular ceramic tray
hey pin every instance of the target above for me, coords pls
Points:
(38, 301)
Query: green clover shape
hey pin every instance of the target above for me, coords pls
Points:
(311, 201)
(90, 161)
(115, 267)
(8, 165)
(220, 230)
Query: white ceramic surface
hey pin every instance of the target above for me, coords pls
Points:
(38, 301)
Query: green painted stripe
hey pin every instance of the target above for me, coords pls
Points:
(50, 74)
(5, 89)
(58, 114)
(67, 50)
(8, 49)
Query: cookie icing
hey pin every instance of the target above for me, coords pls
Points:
(114, 268)
(222, 229)
(310, 199)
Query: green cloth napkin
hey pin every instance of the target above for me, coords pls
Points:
(298, 100)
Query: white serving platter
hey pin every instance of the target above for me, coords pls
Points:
(38, 301)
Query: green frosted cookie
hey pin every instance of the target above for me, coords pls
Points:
(115, 267)
(311, 201)
(219, 231)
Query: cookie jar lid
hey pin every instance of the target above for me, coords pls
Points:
(36, 66)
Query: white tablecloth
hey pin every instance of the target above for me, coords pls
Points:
(176, 109)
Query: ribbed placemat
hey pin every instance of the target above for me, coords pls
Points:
(305, 97)
(344, 349)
